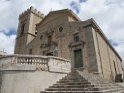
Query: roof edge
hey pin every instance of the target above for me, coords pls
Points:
(104, 36)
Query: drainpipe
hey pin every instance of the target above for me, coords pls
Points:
(99, 53)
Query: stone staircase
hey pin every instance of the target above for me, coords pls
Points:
(83, 82)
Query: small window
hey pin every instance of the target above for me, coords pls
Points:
(41, 37)
(22, 29)
(61, 29)
(30, 51)
(36, 29)
(49, 39)
(76, 37)
(35, 33)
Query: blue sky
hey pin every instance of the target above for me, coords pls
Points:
(107, 13)
(11, 31)
(74, 6)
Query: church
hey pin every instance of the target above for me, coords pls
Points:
(63, 34)
(55, 48)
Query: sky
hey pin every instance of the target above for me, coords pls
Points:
(108, 14)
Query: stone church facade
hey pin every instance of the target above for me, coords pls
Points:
(61, 33)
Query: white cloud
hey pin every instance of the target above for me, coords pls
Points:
(7, 43)
(107, 13)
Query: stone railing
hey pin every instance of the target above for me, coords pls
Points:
(35, 62)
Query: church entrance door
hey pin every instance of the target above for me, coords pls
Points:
(50, 54)
(78, 58)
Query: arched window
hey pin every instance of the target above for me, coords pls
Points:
(76, 37)
(22, 29)
(41, 37)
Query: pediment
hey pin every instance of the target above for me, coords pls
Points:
(58, 14)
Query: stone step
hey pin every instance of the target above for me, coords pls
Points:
(82, 86)
(108, 88)
(72, 89)
(74, 75)
(82, 89)
(78, 80)
(105, 85)
(66, 79)
(114, 90)
(72, 86)
(72, 92)
(76, 83)
(99, 83)
(73, 78)
(120, 91)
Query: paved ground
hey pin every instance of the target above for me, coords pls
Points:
(122, 84)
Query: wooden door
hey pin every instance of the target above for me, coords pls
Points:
(78, 58)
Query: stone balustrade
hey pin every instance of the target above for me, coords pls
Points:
(35, 62)
(32, 60)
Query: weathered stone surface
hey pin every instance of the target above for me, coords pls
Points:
(24, 67)
(28, 81)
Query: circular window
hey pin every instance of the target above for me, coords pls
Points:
(41, 37)
(60, 29)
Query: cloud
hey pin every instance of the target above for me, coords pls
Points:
(7, 43)
(74, 5)
(113, 43)
(82, 1)
(107, 13)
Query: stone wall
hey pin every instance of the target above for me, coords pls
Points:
(105, 57)
(91, 52)
(28, 81)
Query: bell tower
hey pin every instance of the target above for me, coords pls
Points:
(26, 29)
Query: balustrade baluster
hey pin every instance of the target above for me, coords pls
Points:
(40, 61)
(34, 60)
(37, 60)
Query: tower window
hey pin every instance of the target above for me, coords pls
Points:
(30, 51)
(22, 29)
(76, 37)
(35, 32)
(41, 37)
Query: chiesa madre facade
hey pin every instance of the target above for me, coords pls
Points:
(63, 34)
